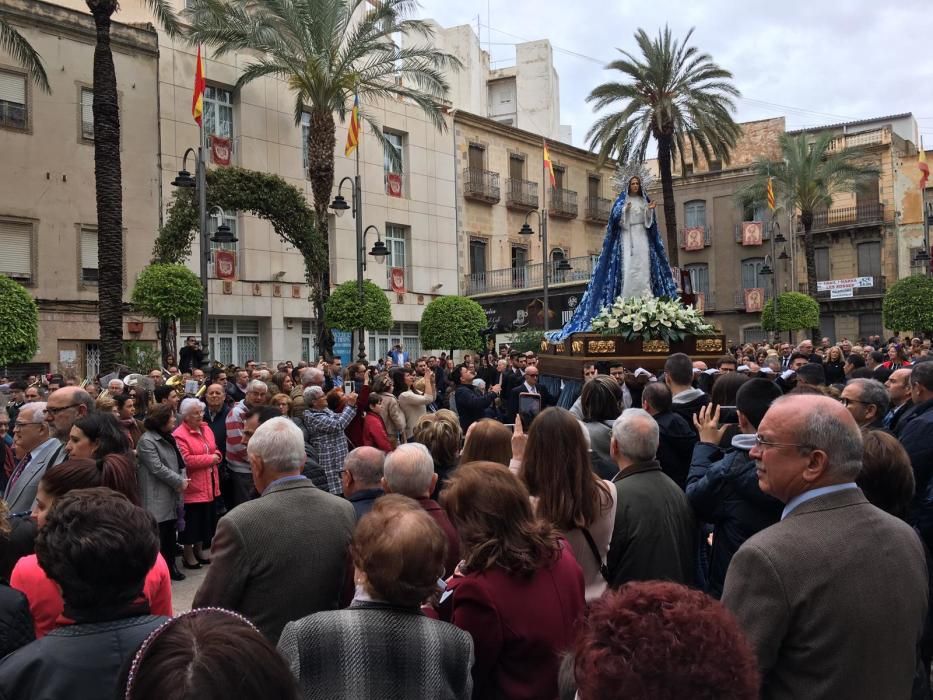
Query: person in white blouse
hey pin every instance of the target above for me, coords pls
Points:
(415, 400)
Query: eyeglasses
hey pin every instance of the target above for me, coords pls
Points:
(845, 402)
(761, 442)
(55, 411)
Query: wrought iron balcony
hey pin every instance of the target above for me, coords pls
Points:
(521, 194)
(563, 203)
(765, 232)
(529, 276)
(597, 209)
(876, 289)
(481, 185)
(707, 236)
(846, 217)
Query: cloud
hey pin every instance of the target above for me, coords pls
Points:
(812, 62)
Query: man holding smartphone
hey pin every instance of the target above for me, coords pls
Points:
(529, 386)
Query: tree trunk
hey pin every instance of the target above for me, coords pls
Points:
(809, 256)
(167, 340)
(109, 191)
(670, 209)
(322, 140)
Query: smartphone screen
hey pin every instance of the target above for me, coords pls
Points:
(529, 403)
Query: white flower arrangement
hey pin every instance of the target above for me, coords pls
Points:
(650, 318)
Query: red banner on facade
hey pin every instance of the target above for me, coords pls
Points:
(393, 184)
(754, 300)
(752, 233)
(694, 238)
(221, 148)
(398, 280)
(225, 264)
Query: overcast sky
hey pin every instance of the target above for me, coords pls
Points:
(812, 61)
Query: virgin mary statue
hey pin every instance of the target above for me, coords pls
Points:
(632, 262)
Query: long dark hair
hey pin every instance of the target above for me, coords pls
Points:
(491, 510)
(556, 468)
(106, 430)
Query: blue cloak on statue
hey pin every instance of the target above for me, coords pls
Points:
(606, 283)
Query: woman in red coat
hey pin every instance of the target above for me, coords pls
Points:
(374, 429)
(202, 459)
(518, 591)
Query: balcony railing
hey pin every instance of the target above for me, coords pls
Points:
(521, 194)
(527, 276)
(739, 299)
(876, 137)
(846, 217)
(877, 288)
(597, 209)
(481, 185)
(563, 203)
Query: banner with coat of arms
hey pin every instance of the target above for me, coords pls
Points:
(221, 150)
(754, 300)
(225, 264)
(694, 238)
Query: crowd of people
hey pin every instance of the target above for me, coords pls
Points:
(761, 527)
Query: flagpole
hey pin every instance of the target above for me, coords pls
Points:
(360, 245)
(202, 210)
(545, 258)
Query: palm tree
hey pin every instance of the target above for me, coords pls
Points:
(108, 179)
(675, 95)
(326, 51)
(809, 173)
(13, 43)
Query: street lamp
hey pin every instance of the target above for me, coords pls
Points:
(199, 183)
(562, 264)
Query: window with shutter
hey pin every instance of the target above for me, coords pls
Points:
(87, 114)
(822, 264)
(396, 241)
(89, 256)
(869, 260)
(13, 112)
(695, 214)
(699, 278)
(750, 274)
(16, 250)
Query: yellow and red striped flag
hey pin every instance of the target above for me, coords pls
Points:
(197, 99)
(771, 193)
(924, 168)
(548, 165)
(353, 134)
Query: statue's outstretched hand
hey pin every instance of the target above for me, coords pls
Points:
(652, 205)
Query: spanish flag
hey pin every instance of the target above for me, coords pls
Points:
(771, 193)
(353, 135)
(924, 168)
(197, 99)
(549, 166)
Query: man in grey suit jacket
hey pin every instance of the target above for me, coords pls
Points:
(834, 596)
(283, 555)
(35, 450)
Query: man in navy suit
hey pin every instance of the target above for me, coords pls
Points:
(529, 386)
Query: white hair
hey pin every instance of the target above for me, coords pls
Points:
(257, 385)
(408, 470)
(279, 443)
(312, 376)
(366, 465)
(38, 411)
(312, 394)
(636, 435)
(117, 381)
(190, 406)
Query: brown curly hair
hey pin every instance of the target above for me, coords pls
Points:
(663, 641)
(490, 508)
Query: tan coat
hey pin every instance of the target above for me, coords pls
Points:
(833, 599)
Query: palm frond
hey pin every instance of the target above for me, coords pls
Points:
(165, 13)
(15, 44)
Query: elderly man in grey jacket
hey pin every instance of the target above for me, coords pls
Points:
(283, 555)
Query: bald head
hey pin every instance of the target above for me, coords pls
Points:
(807, 441)
(365, 465)
(64, 407)
(312, 376)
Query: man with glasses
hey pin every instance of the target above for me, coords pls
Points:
(528, 386)
(63, 408)
(867, 400)
(35, 451)
(837, 581)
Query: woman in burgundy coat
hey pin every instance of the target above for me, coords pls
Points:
(518, 591)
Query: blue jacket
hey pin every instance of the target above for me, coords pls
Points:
(723, 490)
